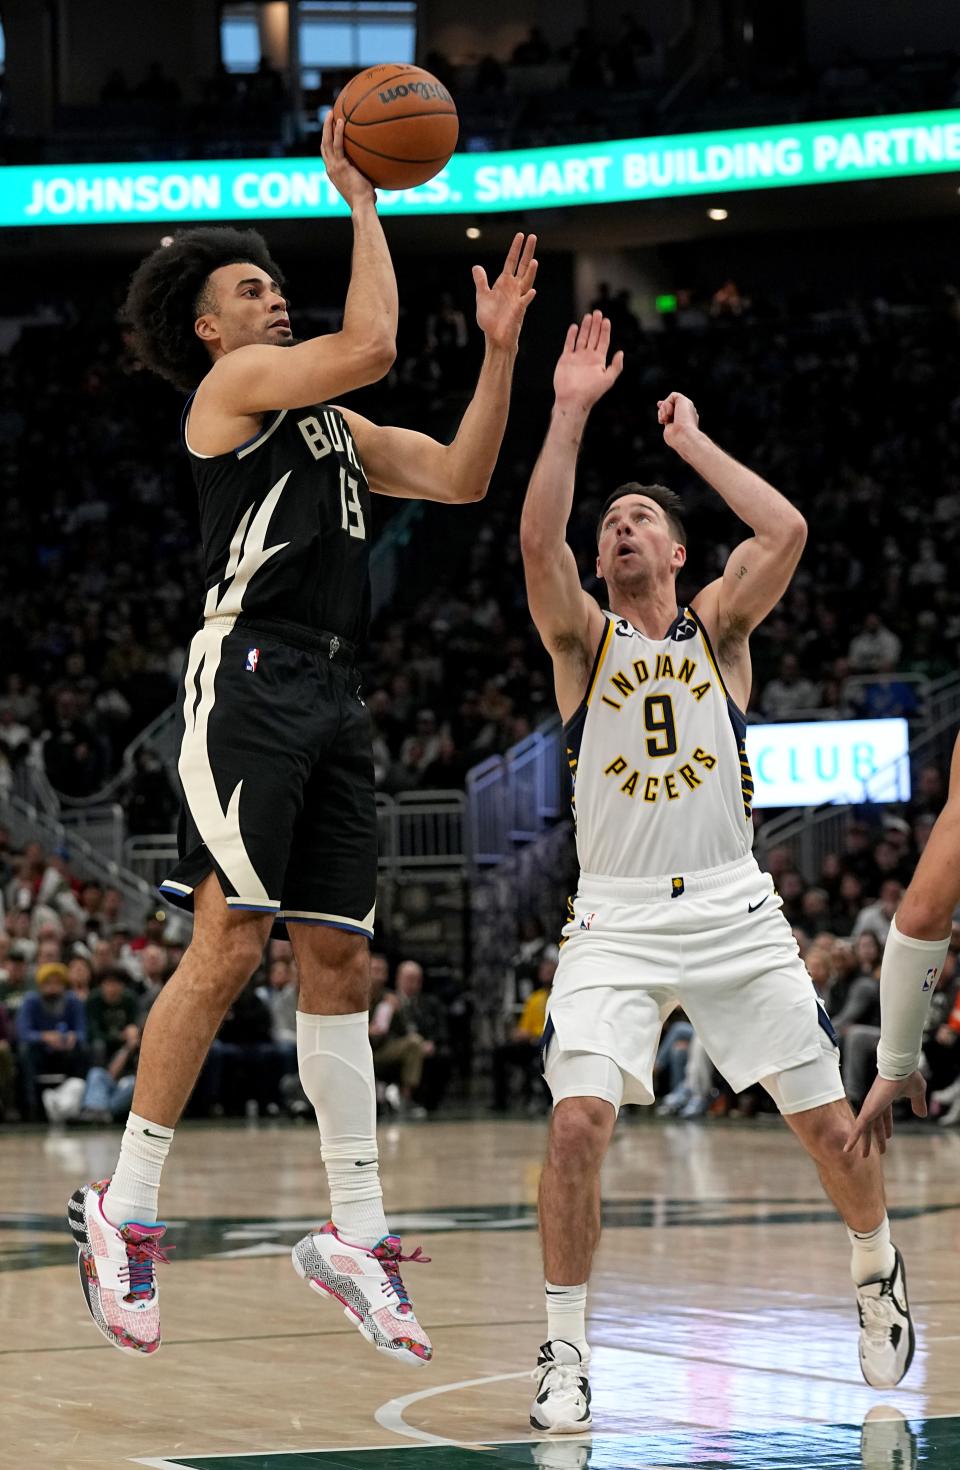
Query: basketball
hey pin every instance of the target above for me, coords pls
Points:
(400, 124)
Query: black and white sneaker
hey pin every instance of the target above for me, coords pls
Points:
(887, 1338)
(562, 1404)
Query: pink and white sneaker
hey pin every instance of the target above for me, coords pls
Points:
(116, 1264)
(367, 1284)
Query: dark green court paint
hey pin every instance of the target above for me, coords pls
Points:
(921, 1444)
(233, 1237)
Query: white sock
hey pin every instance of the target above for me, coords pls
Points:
(132, 1193)
(566, 1315)
(336, 1069)
(873, 1256)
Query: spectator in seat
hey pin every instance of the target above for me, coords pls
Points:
(815, 911)
(426, 1015)
(80, 976)
(877, 917)
(790, 693)
(522, 1052)
(398, 1050)
(858, 1023)
(13, 978)
(111, 1016)
(888, 697)
(51, 1034)
(874, 647)
(245, 1051)
(113, 1038)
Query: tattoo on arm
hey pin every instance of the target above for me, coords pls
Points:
(742, 573)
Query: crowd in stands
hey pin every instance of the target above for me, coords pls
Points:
(99, 566)
(77, 982)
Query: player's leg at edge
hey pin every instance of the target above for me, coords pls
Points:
(580, 1131)
(353, 1258)
(854, 1184)
(114, 1222)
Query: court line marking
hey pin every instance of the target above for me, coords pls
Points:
(390, 1415)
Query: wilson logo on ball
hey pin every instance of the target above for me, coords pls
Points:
(400, 125)
(419, 89)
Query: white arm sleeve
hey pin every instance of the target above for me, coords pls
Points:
(908, 978)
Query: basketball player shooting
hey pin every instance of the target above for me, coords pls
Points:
(278, 821)
(671, 908)
(910, 970)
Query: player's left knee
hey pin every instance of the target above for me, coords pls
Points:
(925, 914)
(336, 965)
(824, 1133)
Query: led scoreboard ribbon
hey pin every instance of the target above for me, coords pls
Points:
(740, 159)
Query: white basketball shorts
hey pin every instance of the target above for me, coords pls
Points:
(716, 944)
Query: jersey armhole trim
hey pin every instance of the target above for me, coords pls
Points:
(248, 445)
(594, 674)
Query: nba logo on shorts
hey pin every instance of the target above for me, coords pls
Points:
(587, 920)
(253, 658)
(930, 979)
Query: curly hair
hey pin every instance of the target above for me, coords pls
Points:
(668, 500)
(166, 295)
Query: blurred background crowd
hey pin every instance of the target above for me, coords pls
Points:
(99, 566)
(820, 340)
(77, 982)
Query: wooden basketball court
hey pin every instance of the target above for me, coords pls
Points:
(722, 1316)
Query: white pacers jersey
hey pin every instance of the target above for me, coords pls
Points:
(657, 753)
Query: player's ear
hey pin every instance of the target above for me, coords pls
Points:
(679, 555)
(205, 328)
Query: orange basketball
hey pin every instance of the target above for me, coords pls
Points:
(400, 124)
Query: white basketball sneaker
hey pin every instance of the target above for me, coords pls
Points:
(368, 1285)
(886, 1331)
(116, 1264)
(562, 1404)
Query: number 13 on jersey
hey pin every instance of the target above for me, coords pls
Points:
(351, 509)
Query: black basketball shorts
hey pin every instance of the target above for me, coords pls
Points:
(276, 777)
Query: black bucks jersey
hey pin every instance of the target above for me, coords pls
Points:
(285, 524)
(275, 762)
(658, 755)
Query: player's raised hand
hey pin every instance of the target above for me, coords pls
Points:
(583, 375)
(502, 306)
(678, 417)
(347, 180)
(875, 1119)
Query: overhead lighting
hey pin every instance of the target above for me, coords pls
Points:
(717, 214)
(473, 233)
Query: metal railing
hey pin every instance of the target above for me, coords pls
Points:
(417, 831)
(423, 829)
(514, 798)
(27, 823)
